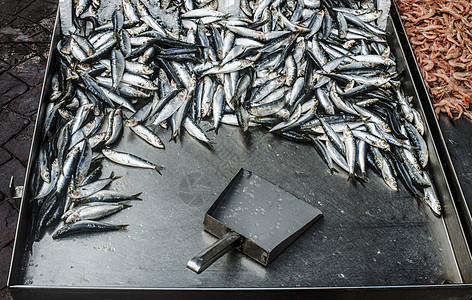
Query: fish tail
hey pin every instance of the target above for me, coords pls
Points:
(351, 177)
(210, 144)
(126, 204)
(122, 227)
(113, 177)
(115, 90)
(158, 169)
(136, 196)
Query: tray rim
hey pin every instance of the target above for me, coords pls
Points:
(464, 218)
(459, 202)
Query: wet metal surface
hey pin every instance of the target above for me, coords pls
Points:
(369, 236)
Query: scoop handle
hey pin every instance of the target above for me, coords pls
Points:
(204, 259)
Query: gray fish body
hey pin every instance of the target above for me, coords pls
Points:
(340, 103)
(421, 149)
(430, 196)
(218, 106)
(116, 128)
(228, 43)
(95, 212)
(130, 11)
(124, 89)
(337, 157)
(86, 226)
(350, 148)
(194, 130)
(325, 101)
(117, 68)
(139, 81)
(333, 136)
(388, 176)
(69, 167)
(121, 101)
(208, 91)
(107, 196)
(291, 70)
(83, 164)
(371, 139)
(173, 105)
(80, 117)
(268, 88)
(48, 187)
(131, 160)
(362, 157)
(148, 135)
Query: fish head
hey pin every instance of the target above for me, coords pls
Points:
(140, 7)
(384, 127)
(55, 164)
(409, 116)
(348, 44)
(330, 110)
(283, 113)
(392, 183)
(107, 151)
(74, 217)
(60, 231)
(389, 62)
(436, 209)
(347, 133)
(382, 144)
(79, 179)
(434, 205)
(131, 122)
(423, 160)
(74, 193)
(46, 175)
(420, 128)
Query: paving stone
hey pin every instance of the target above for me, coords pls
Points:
(8, 219)
(11, 123)
(20, 145)
(12, 7)
(5, 294)
(5, 257)
(4, 156)
(5, 18)
(30, 71)
(38, 10)
(10, 88)
(3, 66)
(42, 49)
(49, 21)
(33, 118)
(27, 103)
(20, 30)
(12, 168)
(41, 37)
(15, 53)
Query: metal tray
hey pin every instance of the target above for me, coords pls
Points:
(371, 241)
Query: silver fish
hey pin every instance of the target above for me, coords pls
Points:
(131, 160)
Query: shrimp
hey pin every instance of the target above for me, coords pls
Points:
(440, 35)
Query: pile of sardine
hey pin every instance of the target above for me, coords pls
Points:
(310, 71)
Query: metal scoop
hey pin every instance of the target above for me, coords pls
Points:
(256, 217)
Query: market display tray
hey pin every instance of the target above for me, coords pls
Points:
(371, 241)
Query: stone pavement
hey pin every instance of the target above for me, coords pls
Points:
(25, 35)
